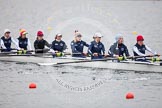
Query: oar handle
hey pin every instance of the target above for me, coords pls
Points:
(44, 50)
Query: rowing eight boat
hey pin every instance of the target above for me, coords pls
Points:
(85, 62)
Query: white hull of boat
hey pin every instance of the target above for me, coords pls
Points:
(130, 65)
(42, 59)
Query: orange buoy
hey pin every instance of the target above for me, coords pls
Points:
(32, 86)
(129, 96)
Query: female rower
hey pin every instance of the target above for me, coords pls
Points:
(23, 41)
(40, 43)
(6, 41)
(77, 46)
(58, 45)
(140, 48)
(118, 49)
(96, 48)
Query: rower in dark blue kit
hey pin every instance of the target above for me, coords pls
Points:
(96, 48)
(58, 45)
(118, 49)
(6, 41)
(23, 42)
(40, 43)
(140, 49)
(77, 46)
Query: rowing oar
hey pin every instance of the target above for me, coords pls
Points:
(47, 53)
(36, 54)
(39, 55)
(135, 57)
(78, 61)
(154, 59)
(13, 52)
(6, 49)
(121, 58)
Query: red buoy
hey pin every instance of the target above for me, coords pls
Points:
(32, 86)
(130, 96)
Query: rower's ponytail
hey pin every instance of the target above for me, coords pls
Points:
(76, 31)
(55, 37)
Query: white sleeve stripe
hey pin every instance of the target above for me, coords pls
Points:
(2, 44)
(29, 45)
(149, 49)
(16, 44)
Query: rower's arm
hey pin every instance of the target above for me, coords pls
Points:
(29, 45)
(47, 44)
(126, 51)
(150, 50)
(2, 44)
(135, 49)
(87, 45)
(64, 47)
(36, 45)
(16, 43)
(53, 45)
(111, 52)
(89, 49)
(103, 49)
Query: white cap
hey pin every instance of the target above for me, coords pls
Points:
(6, 30)
(119, 35)
(59, 34)
(97, 34)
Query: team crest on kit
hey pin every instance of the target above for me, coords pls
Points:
(143, 49)
(100, 46)
(25, 42)
(122, 49)
(76, 45)
(95, 46)
(61, 44)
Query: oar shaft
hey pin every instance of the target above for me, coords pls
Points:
(135, 57)
(154, 60)
(12, 52)
(7, 49)
(81, 61)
